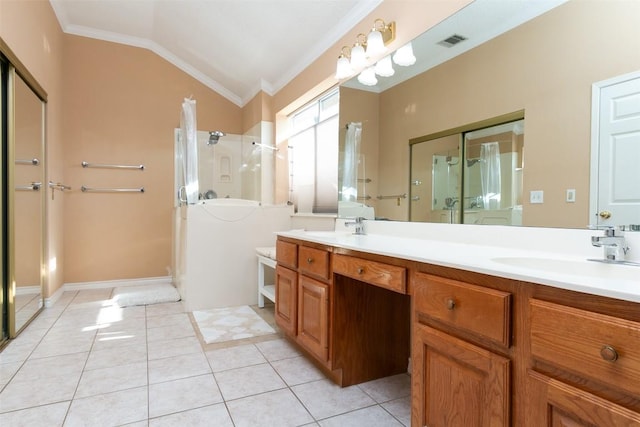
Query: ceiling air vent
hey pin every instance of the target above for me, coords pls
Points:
(452, 40)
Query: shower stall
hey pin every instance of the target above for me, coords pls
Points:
(222, 211)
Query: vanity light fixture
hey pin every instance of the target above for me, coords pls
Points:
(355, 58)
(404, 56)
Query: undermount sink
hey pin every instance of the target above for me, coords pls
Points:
(574, 268)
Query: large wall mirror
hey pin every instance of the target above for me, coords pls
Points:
(23, 190)
(540, 58)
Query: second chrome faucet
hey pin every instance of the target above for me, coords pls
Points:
(358, 223)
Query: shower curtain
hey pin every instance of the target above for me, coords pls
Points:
(490, 174)
(350, 165)
(189, 148)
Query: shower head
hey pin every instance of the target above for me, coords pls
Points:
(214, 136)
(471, 162)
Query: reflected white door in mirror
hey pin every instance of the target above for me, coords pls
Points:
(615, 152)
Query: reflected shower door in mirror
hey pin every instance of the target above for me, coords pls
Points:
(493, 165)
(484, 188)
(436, 180)
(28, 203)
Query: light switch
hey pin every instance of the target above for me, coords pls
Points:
(571, 195)
(536, 196)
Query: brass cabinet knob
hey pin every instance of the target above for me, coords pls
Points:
(360, 270)
(609, 353)
(451, 304)
(605, 214)
(309, 260)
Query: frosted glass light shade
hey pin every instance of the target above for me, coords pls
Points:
(404, 56)
(343, 68)
(384, 67)
(368, 77)
(375, 44)
(358, 56)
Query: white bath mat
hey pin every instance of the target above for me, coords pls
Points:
(126, 296)
(232, 323)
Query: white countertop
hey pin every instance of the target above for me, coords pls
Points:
(548, 268)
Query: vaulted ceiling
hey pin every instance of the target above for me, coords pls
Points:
(235, 47)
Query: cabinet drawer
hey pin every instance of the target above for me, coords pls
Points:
(287, 254)
(383, 275)
(600, 347)
(483, 311)
(314, 262)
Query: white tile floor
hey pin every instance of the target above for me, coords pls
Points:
(85, 362)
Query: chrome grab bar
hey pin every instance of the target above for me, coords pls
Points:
(107, 166)
(111, 190)
(34, 186)
(34, 162)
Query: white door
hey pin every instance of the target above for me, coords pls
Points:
(616, 152)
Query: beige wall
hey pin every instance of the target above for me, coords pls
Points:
(545, 67)
(257, 110)
(31, 30)
(121, 106)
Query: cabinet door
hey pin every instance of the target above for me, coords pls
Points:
(313, 317)
(455, 383)
(560, 405)
(286, 299)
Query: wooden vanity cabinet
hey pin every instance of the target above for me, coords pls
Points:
(459, 381)
(303, 287)
(585, 362)
(286, 304)
(313, 317)
(349, 313)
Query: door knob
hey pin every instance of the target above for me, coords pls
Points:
(605, 214)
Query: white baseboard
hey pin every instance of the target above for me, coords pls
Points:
(84, 286)
(28, 290)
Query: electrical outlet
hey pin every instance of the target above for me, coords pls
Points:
(536, 196)
(571, 195)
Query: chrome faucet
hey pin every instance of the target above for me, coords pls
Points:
(614, 244)
(358, 224)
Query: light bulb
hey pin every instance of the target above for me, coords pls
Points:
(375, 44)
(384, 67)
(368, 77)
(358, 56)
(343, 68)
(404, 56)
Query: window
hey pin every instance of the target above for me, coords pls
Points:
(313, 155)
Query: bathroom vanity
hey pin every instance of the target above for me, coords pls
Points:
(496, 336)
